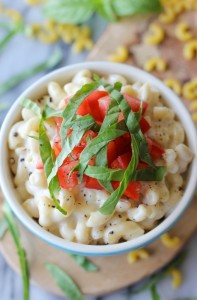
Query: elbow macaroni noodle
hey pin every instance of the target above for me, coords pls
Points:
(84, 223)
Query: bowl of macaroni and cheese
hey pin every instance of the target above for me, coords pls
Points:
(98, 158)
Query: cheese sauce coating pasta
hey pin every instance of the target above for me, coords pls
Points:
(83, 222)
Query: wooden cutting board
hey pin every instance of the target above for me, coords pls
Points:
(115, 272)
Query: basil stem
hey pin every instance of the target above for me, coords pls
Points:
(65, 282)
(16, 79)
(154, 293)
(3, 228)
(47, 157)
(21, 252)
(85, 263)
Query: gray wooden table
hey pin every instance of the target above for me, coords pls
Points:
(20, 54)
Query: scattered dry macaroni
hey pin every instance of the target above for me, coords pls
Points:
(174, 84)
(176, 277)
(84, 223)
(121, 55)
(167, 17)
(190, 89)
(155, 63)
(190, 49)
(155, 36)
(170, 242)
(136, 255)
(182, 32)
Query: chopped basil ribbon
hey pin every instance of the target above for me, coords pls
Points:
(69, 112)
(49, 112)
(110, 204)
(32, 106)
(47, 156)
(106, 174)
(111, 118)
(73, 140)
(3, 228)
(85, 263)
(96, 145)
(65, 282)
(7, 213)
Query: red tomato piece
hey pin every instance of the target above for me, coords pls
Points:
(39, 165)
(111, 152)
(156, 150)
(132, 191)
(58, 121)
(92, 183)
(88, 135)
(104, 105)
(135, 103)
(122, 161)
(142, 165)
(144, 125)
(90, 105)
(123, 144)
(66, 179)
(57, 147)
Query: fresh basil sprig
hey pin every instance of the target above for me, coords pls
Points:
(65, 282)
(85, 263)
(79, 11)
(3, 228)
(21, 252)
(49, 112)
(50, 63)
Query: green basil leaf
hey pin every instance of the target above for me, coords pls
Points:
(49, 112)
(3, 228)
(150, 174)
(154, 293)
(21, 252)
(130, 7)
(85, 263)
(69, 11)
(69, 112)
(109, 205)
(83, 122)
(8, 37)
(50, 63)
(110, 119)
(95, 145)
(65, 282)
(47, 157)
(105, 9)
(32, 106)
(107, 174)
(104, 173)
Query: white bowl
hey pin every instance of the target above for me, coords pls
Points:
(65, 74)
